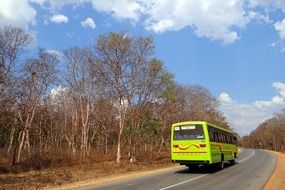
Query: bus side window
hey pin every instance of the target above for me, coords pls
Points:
(211, 135)
(224, 137)
(220, 137)
(216, 137)
(229, 139)
(235, 140)
(232, 139)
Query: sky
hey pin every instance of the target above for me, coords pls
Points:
(234, 48)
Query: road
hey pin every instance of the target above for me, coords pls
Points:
(253, 169)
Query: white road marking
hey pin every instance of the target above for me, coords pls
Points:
(184, 182)
(200, 176)
(251, 155)
(241, 150)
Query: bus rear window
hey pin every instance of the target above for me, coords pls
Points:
(188, 132)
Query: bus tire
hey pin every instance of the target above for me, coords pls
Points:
(193, 166)
(221, 165)
(232, 162)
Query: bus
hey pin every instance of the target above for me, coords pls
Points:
(195, 143)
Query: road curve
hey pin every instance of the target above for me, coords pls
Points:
(252, 171)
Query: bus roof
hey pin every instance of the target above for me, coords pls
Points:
(201, 123)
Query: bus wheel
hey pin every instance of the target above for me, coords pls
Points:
(193, 166)
(232, 162)
(221, 165)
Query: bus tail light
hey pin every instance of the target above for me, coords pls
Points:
(202, 145)
(175, 146)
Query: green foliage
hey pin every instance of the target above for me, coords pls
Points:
(166, 82)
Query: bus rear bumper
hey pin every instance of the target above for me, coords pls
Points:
(192, 162)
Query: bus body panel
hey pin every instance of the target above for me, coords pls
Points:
(228, 150)
(199, 151)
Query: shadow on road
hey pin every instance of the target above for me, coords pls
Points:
(203, 169)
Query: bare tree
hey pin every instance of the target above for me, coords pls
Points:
(35, 83)
(121, 60)
(12, 43)
(82, 83)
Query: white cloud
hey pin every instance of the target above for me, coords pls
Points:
(225, 98)
(120, 9)
(275, 101)
(59, 18)
(280, 27)
(40, 2)
(216, 20)
(88, 23)
(275, 4)
(280, 88)
(246, 117)
(273, 44)
(253, 15)
(58, 93)
(56, 4)
(54, 52)
(16, 13)
(270, 6)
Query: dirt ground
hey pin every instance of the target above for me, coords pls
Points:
(75, 176)
(113, 178)
(277, 180)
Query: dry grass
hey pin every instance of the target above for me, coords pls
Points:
(25, 177)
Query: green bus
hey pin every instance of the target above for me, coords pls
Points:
(195, 143)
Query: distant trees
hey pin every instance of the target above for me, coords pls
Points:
(197, 103)
(112, 98)
(268, 135)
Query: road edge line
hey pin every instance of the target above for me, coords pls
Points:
(245, 159)
(177, 184)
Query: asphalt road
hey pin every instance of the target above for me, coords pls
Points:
(252, 171)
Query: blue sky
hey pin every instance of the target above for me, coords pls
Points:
(234, 48)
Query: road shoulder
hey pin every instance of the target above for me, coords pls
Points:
(112, 178)
(276, 181)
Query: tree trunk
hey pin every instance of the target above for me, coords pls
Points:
(11, 140)
(106, 143)
(119, 145)
(161, 145)
(22, 139)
